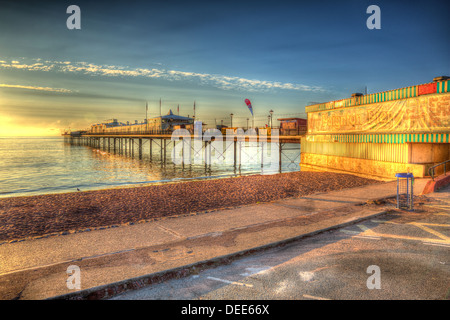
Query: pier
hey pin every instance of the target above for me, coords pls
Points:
(191, 148)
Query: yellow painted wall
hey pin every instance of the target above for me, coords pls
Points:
(428, 152)
(362, 166)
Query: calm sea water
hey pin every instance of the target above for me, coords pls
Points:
(41, 165)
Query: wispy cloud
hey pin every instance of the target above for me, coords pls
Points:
(214, 80)
(17, 86)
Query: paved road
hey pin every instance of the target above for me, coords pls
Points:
(399, 255)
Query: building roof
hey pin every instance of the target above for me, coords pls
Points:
(170, 115)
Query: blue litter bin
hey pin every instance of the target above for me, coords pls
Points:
(405, 183)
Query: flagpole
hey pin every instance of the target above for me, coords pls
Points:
(146, 116)
(160, 115)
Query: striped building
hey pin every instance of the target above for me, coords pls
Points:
(380, 134)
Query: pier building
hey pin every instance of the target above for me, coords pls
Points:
(292, 126)
(165, 123)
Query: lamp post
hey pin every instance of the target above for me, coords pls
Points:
(231, 116)
(271, 119)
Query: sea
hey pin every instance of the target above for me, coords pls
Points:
(43, 165)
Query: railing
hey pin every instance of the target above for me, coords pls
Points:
(284, 132)
(431, 171)
(143, 132)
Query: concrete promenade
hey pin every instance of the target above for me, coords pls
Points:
(114, 260)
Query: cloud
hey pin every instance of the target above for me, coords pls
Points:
(17, 86)
(215, 80)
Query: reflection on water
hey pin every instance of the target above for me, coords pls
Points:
(30, 166)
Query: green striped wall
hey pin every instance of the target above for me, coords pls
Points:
(383, 138)
(443, 86)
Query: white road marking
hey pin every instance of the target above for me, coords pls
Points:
(367, 237)
(379, 221)
(362, 227)
(350, 231)
(231, 282)
(251, 271)
(385, 221)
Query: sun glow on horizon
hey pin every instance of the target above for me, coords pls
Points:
(9, 127)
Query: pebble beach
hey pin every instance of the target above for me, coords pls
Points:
(34, 216)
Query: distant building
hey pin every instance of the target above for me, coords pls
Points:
(172, 121)
(292, 126)
(111, 122)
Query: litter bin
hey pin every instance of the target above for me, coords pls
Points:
(405, 183)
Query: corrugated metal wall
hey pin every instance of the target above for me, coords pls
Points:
(390, 152)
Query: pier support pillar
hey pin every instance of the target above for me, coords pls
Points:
(165, 147)
(161, 153)
(151, 140)
(279, 155)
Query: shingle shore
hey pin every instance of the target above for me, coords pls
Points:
(24, 217)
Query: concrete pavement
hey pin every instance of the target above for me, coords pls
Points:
(410, 250)
(114, 260)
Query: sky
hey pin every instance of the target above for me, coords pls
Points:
(282, 55)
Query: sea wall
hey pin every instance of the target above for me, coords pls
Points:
(402, 131)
